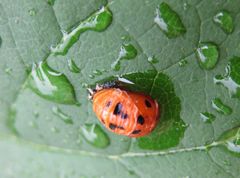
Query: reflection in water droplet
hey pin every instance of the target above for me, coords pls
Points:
(127, 51)
(72, 66)
(220, 107)
(207, 117)
(152, 59)
(32, 12)
(224, 20)
(169, 21)
(50, 84)
(207, 54)
(64, 117)
(51, 2)
(94, 135)
(98, 21)
(182, 63)
(231, 80)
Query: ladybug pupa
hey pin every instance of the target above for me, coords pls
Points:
(124, 112)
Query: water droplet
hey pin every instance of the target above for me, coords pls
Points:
(72, 66)
(94, 135)
(231, 140)
(207, 54)
(33, 124)
(152, 59)
(185, 6)
(231, 80)
(182, 62)
(36, 114)
(224, 20)
(98, 21)
(128, 52)
(50, 84)
(207, 117)
(97, 72)
(54, 130)
(84, 85)
(91, 76)
(169, 21)
(32, 12)
(220, 107)
(51, 2)
(64, 117)
(8, 70)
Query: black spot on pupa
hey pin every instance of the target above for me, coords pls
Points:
(140, 120)
(108, 104)
(136, 131)
(124, 116)
(120, 127)
(112, 126)
(117, 109)
(148, 104)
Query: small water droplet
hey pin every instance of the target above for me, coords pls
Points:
(182, 62)
(98, 21)
(231, 80)
(169, 21)
(152, 59)
(207, 54)
(72, 66)
(64, 117)
(84, 85)
(51, 2)
(50, 84)
(220, 107)
(33, 124)
(36, 114)
(185, 6)
(97, 72)
(207, 117)
(91, 76)
(32, 12)
(8, 70)
(94, 135)
(127, 52)
(54, 130)
(224, 20)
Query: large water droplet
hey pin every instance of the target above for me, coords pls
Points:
(98, 21)
(231, 80)
(32, 12)
(169, 21)
(64, 117)
(152, 59)
(220, 107)
(94, 135)
(231, 140)
(207, 54)
(72, 66)
(50, 84)
(127, 51)
(207, 117)
(224, 20)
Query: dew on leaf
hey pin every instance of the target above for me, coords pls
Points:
(36, 114)
(224, 20)
(84, 85)
(207, 117)
(127, 52)
(91, 76)
(207, 54)
(231, 79)
(50, 84)
(221, 107)
(231, 140)
(97, 72)
(182, 62)
(64, 117)
(54, 130)
(32, 12)
(72, 66)
(169, 21)
(33, 124)
(8, 70)
(98, 21)
(152, 59)
(95, 135)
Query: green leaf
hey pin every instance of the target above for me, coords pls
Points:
(41, 135)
